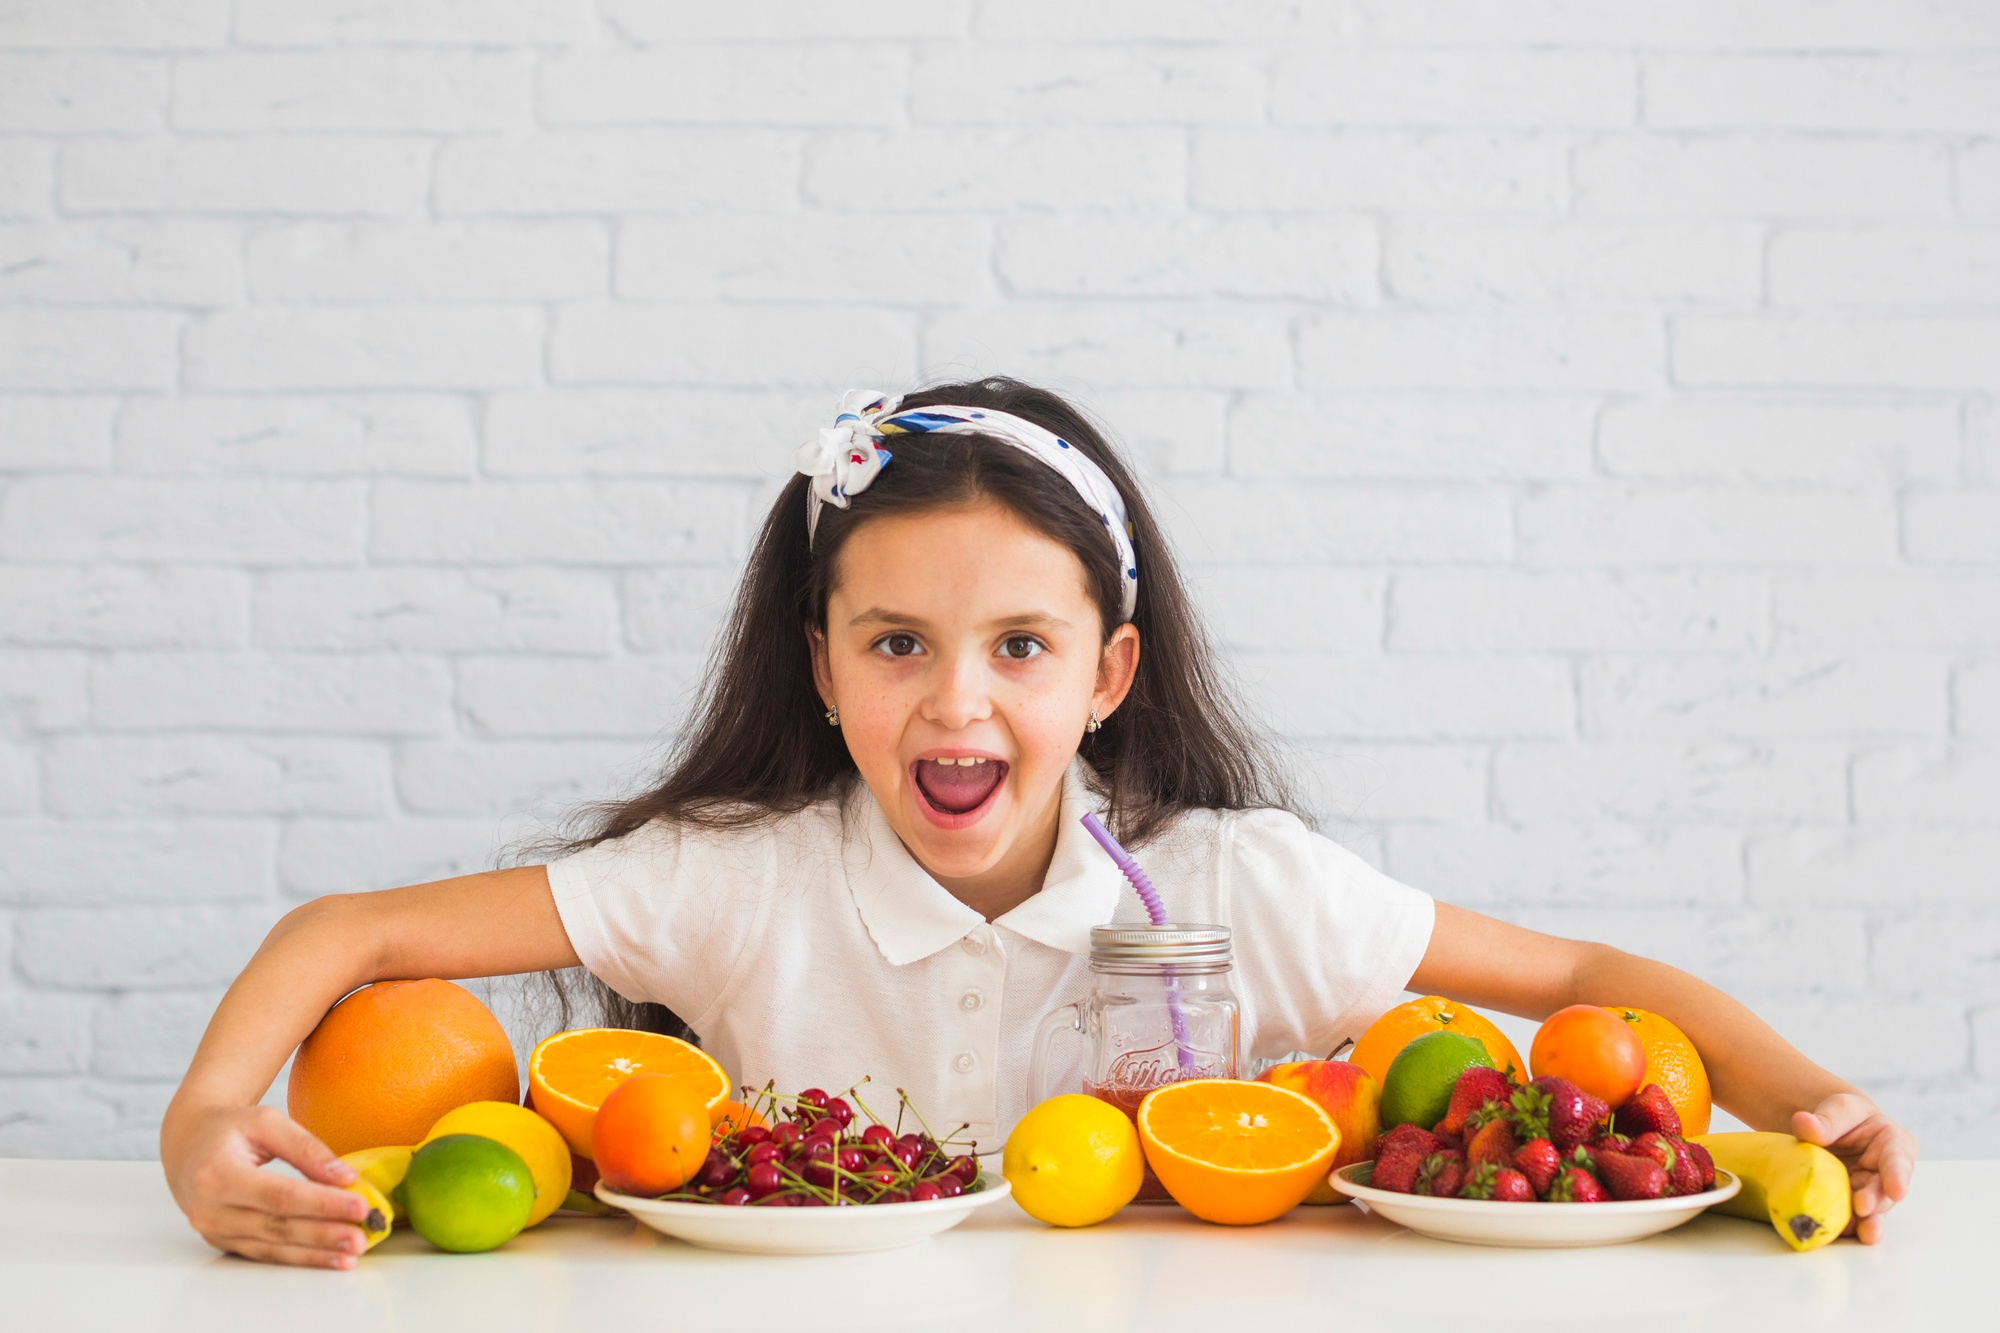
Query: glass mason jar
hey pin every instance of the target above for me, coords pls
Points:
(1160, 1011)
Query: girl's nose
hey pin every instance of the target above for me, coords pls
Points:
(959, 696)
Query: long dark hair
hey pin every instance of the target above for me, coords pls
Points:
(757, 747)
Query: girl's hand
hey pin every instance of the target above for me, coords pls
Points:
(212, 1169)
(1879, 1153)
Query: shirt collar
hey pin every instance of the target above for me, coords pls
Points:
(909, 915)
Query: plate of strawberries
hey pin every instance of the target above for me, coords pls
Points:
(1489, 1172)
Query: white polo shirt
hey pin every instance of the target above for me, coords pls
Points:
(814, 950)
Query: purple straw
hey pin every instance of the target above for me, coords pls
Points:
(1156, 910)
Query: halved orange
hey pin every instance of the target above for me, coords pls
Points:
(1234, 1151)
(571, 1073)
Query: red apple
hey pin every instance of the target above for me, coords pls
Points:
(1350, 1096)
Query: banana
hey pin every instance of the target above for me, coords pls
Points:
(1799, 1188)
(381, 1214)
(381, 1167)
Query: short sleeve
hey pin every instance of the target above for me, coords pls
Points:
(661, 915)
(1324, 941)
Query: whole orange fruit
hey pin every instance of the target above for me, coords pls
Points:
(1674, 1064)
(390, 1059)
(732, 1117)
(1592, 1048)
(651, 1134)
(1390, 1033)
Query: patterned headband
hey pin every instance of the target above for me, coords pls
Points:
(844, 461)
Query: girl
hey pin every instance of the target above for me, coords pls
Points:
(960, 629)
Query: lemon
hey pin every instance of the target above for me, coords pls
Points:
(381, 1167)
(466, 1193)
(375, 1226)
(1073, 1161)
(535, 1139)
(1418, 1087)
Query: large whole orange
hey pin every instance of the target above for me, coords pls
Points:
(391, 1058)
(1592, 1048)
(1671, 1062)
(1433, 1013)
(651, 1134)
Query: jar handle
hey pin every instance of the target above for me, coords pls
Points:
(1054, 1023)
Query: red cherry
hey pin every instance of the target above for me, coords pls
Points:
(753, 1135)
(813, 1097)
(909, 1154)
(765, 1152)
(786, 1134)
(735, 1198)
(966, 1168)
(763, 1179)
(851, 1159)
(878, 1135)
(948, 1187)
(924, 1191)
(839, 1111)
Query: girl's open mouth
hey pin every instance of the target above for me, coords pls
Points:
(955, 791)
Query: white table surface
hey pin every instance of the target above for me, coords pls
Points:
(99, 1245)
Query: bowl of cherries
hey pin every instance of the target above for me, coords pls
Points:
(820, 1174)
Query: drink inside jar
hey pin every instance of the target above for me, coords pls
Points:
(1127, 1099)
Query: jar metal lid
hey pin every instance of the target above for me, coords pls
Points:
(1176, 943)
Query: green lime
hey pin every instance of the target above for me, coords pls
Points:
(1417, 1088)
(466, 1194)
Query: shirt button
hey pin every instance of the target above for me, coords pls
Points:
(973, 945)
(971, 1000)
(963, 1062)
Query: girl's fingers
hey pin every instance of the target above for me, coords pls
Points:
(283, 1137)
(268, 1192)
(251, 1227)
(294, 1255)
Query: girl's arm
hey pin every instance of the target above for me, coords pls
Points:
(1756, 1074)
(214, 1135)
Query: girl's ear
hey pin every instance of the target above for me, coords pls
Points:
(822, 673)
(1117, 668)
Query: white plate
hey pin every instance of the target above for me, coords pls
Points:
(1529, 1225)
(881, 1226)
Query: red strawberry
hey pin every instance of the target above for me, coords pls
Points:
(1399, 1155)
(1443, 1174)
(1583, 1155)
(1576, 1185)
(1684, 1177)
(1475, 1088)
(1479, 1182)
(1703, 1163)
(1654, 1148)
(1632, 1177)
(1510, 1186)
(1613, 1142)
(1494, 1143)
(1536, 1159)
(1557, 1110)
(1446, 1140)
(1649, 1109)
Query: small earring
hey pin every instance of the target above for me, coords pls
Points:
(833, 715)
(1093, 724)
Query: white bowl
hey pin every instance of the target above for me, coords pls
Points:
(1529, 1225)
(879, 1226)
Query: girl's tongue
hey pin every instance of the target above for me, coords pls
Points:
(955, 786)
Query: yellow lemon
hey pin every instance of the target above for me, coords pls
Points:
(381, 1167)
(1073, 1161)
(534, 1138)
(375, 1226)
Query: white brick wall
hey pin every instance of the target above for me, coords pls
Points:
(1582, 423)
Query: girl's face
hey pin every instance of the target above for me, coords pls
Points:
(966, 655)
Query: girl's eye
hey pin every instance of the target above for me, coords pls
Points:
(898, 645)
(1021, 647)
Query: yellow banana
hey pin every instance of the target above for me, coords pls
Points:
(381, 1167)
(381, 1214)
(1800, 1188)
